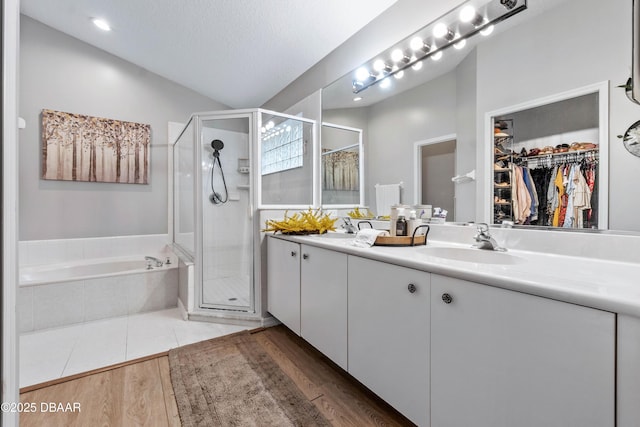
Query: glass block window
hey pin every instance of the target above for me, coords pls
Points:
(282, 146)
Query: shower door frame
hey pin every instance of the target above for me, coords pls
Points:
(200, 305)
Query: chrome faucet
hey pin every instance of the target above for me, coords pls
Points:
(156, 260)
(484, 240)
(348, 225)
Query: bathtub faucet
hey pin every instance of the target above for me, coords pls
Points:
(156, 260)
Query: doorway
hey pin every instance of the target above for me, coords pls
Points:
(435, 166)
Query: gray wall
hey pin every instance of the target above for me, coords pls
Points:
(61, 73)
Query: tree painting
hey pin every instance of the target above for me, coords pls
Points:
(85, 148)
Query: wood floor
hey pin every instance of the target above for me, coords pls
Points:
(140, 394)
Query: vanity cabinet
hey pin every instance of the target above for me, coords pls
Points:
(283, 278)
(323, 302)
(504, 358)
(388, 314)
(307, 291)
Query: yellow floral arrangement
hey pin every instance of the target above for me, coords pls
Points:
(308, 222)
(356, 213)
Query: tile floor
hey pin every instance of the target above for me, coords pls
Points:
(54, 353)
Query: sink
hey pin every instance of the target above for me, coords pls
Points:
(474, 255)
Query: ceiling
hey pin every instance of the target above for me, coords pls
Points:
(238, 52)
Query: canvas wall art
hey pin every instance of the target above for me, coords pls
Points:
(84, 148)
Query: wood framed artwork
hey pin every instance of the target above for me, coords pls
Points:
(85, 148)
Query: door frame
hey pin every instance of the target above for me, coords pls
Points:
(417, 165)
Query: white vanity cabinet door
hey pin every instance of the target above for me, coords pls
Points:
(323, 302)
(283, 282)
(389, 334)
(502, 358)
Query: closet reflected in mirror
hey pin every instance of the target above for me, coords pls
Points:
(547, 165)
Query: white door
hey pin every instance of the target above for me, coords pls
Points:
(323, 302)
(502, 359)
(283, 282)
(389, 334)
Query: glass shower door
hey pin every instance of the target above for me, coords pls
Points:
(227, 242)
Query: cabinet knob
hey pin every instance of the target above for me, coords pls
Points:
(412, 288)
(305, 256)
(447, 298)
(294, 253)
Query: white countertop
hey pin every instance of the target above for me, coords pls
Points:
(602, 284)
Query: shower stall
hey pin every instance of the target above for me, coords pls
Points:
(227, 165)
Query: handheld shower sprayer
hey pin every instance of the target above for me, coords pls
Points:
(215, 197)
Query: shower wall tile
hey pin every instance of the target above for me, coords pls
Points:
(57, 305)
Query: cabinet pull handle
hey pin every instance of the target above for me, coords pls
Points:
(294, 253)
(305, 256)
(412, 288)
(447, 298)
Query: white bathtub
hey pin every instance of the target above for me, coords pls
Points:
(88, 269)
(70, 292)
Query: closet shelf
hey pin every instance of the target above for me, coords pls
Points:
(566, 153)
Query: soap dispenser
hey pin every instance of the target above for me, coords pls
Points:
(401, 226)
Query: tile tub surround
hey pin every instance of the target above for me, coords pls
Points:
(39, 252)
(84, 293)
(51, 305)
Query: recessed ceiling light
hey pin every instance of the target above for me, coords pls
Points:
(102, 24)
(357, 98)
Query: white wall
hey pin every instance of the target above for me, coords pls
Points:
(61, 73)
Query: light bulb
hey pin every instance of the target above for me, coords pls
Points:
(385, 83)
(467, 13)
(417, 66)
(102, 24)
(416, 43)
(399, 74)
(486, 31)
(362, 74)
(379, 65)
(397, 55)
(440, 30)
(460, 44)
(436, 56)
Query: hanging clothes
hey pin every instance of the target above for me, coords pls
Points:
(522, 207)
(559, 191)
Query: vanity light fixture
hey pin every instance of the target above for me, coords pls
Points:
(453, 29)
(461, 43)
(102, 24)
(487, 30)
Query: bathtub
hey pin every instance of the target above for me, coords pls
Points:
(88, 269)
(70, 292)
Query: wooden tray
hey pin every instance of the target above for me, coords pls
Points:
(404, 240)
(400, 240)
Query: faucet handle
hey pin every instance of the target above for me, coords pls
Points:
(483, 228)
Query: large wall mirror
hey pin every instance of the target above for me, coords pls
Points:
(552, 48)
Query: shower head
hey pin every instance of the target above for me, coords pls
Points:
(216, 144)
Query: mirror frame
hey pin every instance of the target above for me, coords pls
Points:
(635, 60)
(360, 165)
(486, 159)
